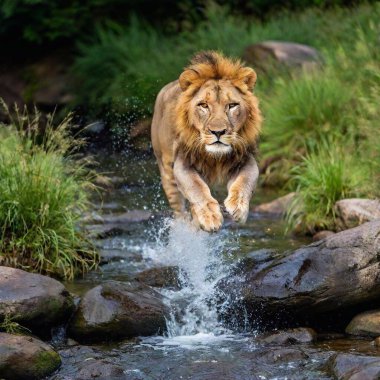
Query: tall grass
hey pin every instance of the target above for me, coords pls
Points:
(325, 175)
(43, 194)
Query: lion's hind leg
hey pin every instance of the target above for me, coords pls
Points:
(174, 196)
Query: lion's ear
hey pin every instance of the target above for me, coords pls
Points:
(187, 78)
(248, 76)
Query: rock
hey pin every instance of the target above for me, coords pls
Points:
(32, 300)
(353, 212)
(265, 55)
(25, 357)
(282, 355)
(365, 324)
(291, 336)
(323, 284)
(164, 277)
(133, 216)
(100, 369)
(376, 342)
(278, 206)
(355, 367)
(322, 235)
(115, 310)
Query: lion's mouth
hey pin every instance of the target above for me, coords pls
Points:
(219, 143)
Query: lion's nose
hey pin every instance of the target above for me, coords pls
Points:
(218, 133)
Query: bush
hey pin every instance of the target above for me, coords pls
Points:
(304, 110)
(43, 194)
(325, 175)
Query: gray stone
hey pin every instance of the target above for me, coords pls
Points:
(353, 212)
(115, 310)
(265, 55)
(26, 358)
(290, 336)
(355, 367)
(32, 300)
(101, 370)
(311, 284)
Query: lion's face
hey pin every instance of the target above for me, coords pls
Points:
(218, 111)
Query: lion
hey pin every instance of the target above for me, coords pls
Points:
(205, 129)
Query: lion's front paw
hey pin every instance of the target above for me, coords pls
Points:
(207, 216)
(237, 206)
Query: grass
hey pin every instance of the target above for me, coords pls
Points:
(325, 175)
(43, 194)
(11, 327)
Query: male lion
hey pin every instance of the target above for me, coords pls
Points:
(204, 130)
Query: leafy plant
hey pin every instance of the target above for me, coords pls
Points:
(43, 194)
(325, 175)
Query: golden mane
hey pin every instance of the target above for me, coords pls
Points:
(210, 65)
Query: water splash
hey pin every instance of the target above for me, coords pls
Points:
(199, 257)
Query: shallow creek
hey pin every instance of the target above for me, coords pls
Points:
(199, 347)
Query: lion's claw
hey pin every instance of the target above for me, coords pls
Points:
(207, 216)
(237, 207)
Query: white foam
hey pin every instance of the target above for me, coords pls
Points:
(199, 255)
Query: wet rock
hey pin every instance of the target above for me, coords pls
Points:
(355, 367)
(277, 206)
(353, 212)
(100, 369)
(282, 355)
(24, 358)
(164, 277)
(365, 324)
(34, 301)
(133, 216)
(323, 284)
(291, 336)
(265, 55)
(115, 310)
(322, 235)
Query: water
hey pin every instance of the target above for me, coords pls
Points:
(197, 345)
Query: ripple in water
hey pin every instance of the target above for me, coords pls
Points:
(199, 256)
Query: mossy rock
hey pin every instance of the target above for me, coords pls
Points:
(26, 358)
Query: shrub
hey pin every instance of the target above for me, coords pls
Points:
(305, 109)
(43, 193)
(325, 175)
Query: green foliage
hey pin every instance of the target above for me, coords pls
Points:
(325, 175)
(9, 326)
(303, 110)
(43, 193)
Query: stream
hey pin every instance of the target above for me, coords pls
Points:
(198, 346)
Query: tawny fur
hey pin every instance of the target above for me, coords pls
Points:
(175, 138)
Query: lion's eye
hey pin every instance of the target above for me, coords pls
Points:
(203, 105)
(233, 105)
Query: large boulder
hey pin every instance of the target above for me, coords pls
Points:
(26, 358)
(115, 310)
(324, 283)
(34, 301)
(267, 54)
(355, 367)
(353, 212)
(365, 324)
